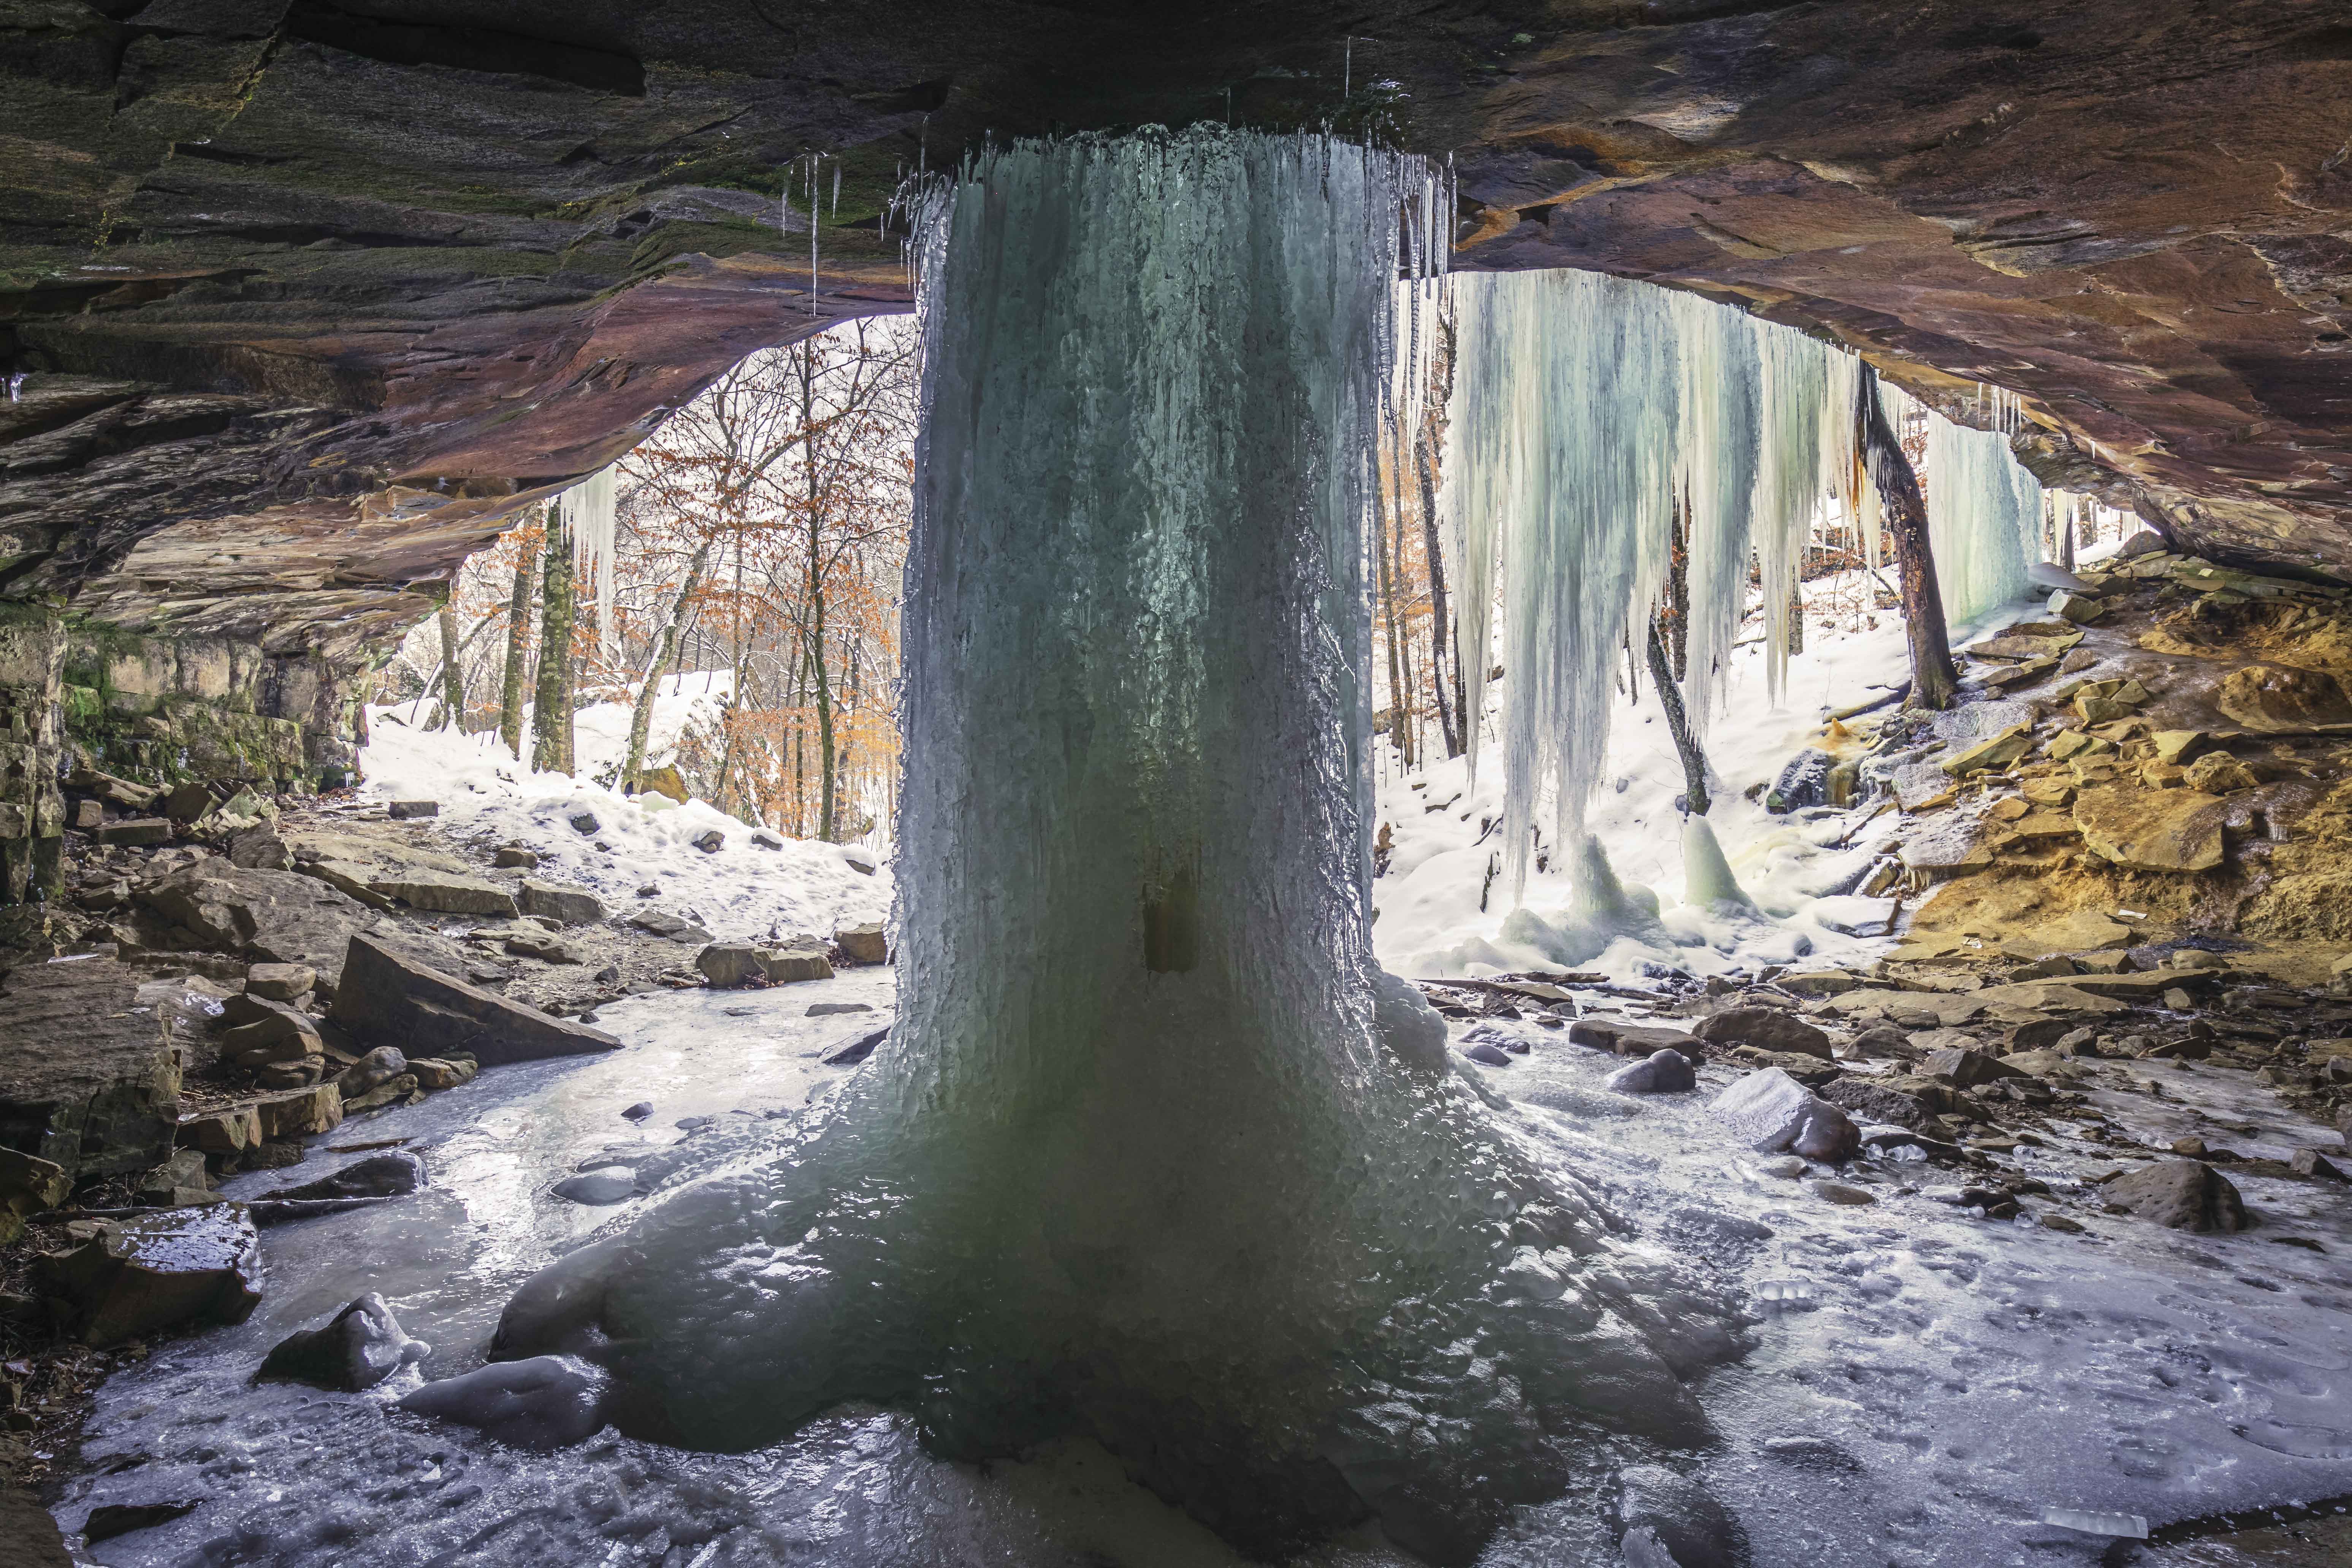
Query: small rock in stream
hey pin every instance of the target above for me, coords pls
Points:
(857, 1049)
(392, 1174)
(357, 1349)
(547, 1402)
(827, 1009)
(1670, 1521)
(1488, 1053)
(599, 1188)
(640, 1111)
(1662, 1072)
(109, 1519)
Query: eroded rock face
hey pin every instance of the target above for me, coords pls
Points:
(305, 370)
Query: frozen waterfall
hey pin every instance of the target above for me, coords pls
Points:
(1586, 411)
(1154, 1154)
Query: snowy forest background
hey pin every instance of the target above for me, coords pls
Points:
(757, 543)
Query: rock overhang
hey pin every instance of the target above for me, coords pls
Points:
(313, 299)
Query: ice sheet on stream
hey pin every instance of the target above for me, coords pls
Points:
(1929, 1387)
(743, 890)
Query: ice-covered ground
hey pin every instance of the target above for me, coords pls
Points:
(1927, 1385)
(744, 889)
(1430, 924)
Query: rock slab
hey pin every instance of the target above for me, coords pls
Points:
(387, 998)
(178, 1265)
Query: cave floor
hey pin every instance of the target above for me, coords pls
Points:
(1926, 1383)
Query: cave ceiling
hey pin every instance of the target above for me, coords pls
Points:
(310, 296)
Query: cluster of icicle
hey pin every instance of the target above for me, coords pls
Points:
(1984, 510)
(1587, 412)
(587, 511)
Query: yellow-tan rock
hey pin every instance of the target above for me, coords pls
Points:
(2151, 830)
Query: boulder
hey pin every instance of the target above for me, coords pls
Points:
(1805, 781)
(187, 801)
(387, 997)
(512, 856)
(380, 1065)
(1630, 1040)
(432, 1074)
(136, 831)
(272, 916)
(669, 927)
(90, 1072)
(796, 958)
(266, 1032)
(300, 1112)
(1874, 1101)
(355, 1350)
(231, 1131)
(1661, 1072)
(280, 982)
(2152, 830)
(1772, 1113)
(583, 822)
(597, 1189)
(178, 1265)
(1667, 1518)
(443, 892)
(729, 963)
(856, 1048)
(1766, 1028)
(665, 781)
(1966, 1068)
(403, 810)
(710, 841)
(556, 902)
(545, 946)
(2277, 697)
(866, 942)
(2181, 1195)
(2219, 773)
(393, 1174)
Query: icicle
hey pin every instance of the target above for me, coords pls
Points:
(588, 514)
(1707, 881)
(1984, 518)
(836, 188)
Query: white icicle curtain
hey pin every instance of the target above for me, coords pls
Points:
(1584, 408)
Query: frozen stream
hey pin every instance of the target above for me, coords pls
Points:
(1947, 1381)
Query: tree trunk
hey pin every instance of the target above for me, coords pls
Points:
(518, 649)
(816, 581)
(453, 678)
(1676, 614)
(667, 650)
(1670, 697)
(551, 712)
(1934, 682)
(1389, 629)
(1440, 641)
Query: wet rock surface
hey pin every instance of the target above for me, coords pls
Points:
(161, 1272)
(357, 1349)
